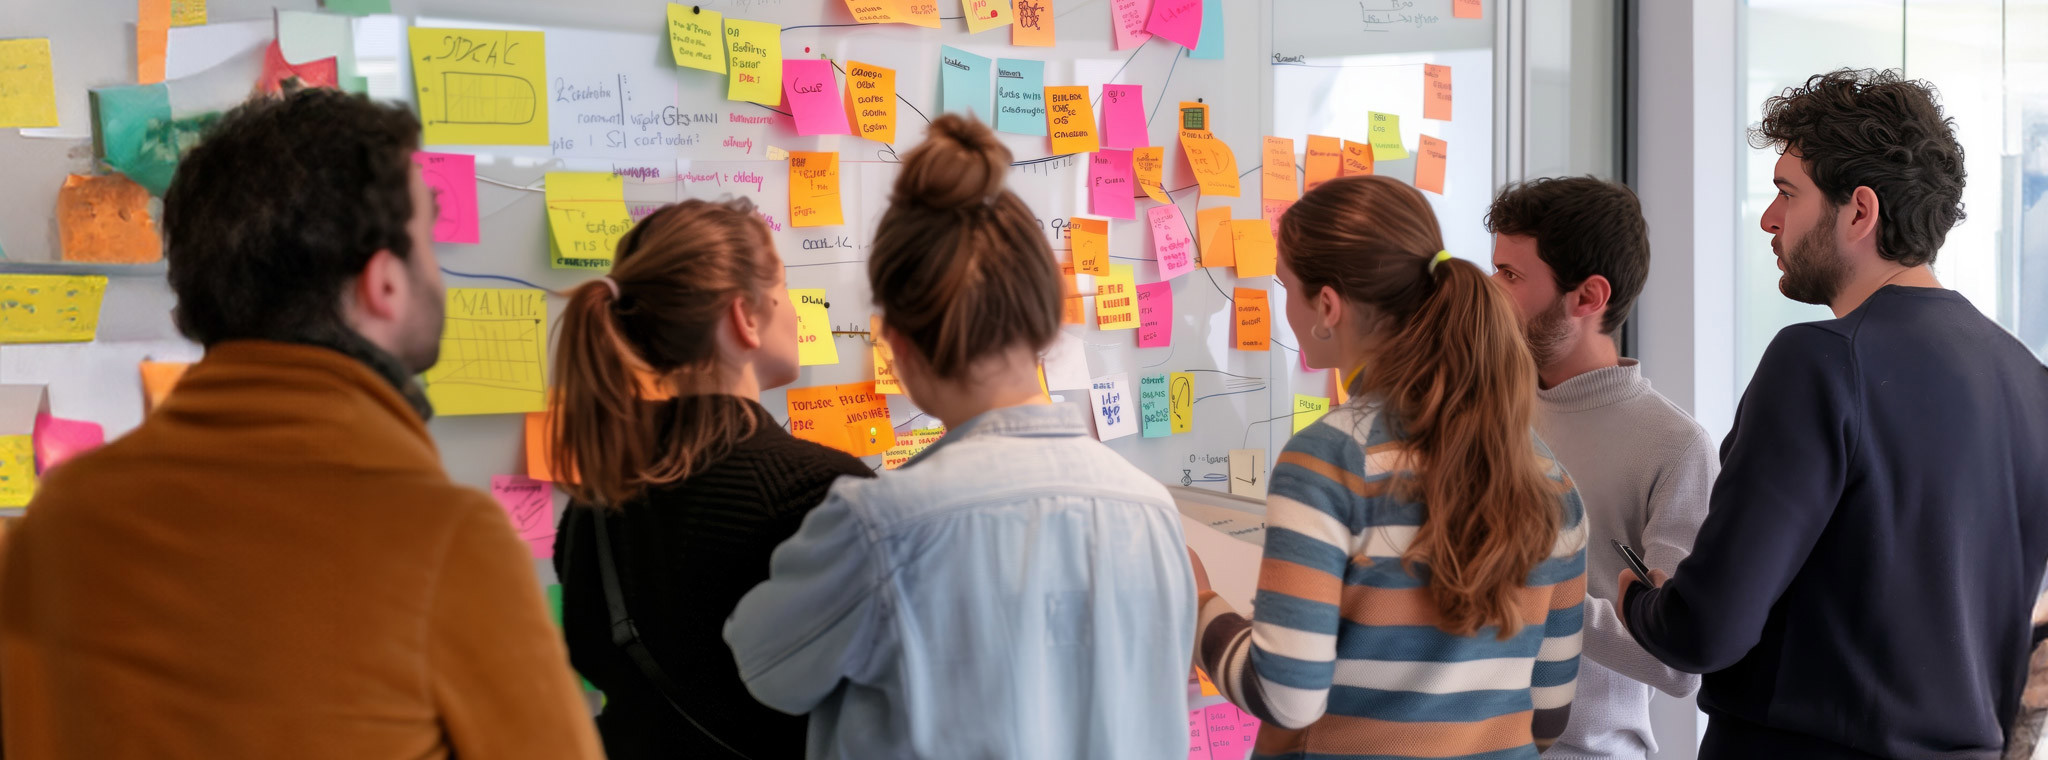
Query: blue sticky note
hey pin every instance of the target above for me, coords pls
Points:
(963, 82)
(1153, 408)
(1211, 44)
(1020, 96)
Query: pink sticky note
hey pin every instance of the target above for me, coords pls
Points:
(1198, 736)
(1273, 210)
(452, 177)
(1155, 314)
(531, 505)
(1128, 18)
(813, 97)
(1123, 116)
(58, 439)
(1247, 730)
(1177, 20)
(1171, 243)
(1221, 726)
(1111, 186)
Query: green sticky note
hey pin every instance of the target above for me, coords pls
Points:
(1386, 137)
(358, 7)
(555, 603)
(1153, 409)
(134, 133)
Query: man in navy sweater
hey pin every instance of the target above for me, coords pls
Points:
(1863, 582)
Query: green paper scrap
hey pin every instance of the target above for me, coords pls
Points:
(555, 603)
(134, 133)
(359, 7)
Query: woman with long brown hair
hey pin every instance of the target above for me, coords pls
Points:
(682, 483)
(1425, 559)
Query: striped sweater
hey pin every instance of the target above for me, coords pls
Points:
(1344, 659)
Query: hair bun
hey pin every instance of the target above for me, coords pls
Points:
(960, 163)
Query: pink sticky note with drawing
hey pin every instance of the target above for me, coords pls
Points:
(1128, 18)
(58, 439)
(1123, 116)
(1198, 736)
(452, 178)
(1221, 725)
(1177, 20)
(1111, 185)
(812, 93)
(531, 506)
(1155, 314)
(1171, 244)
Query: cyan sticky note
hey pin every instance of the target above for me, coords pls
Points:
(1211, 46)
(1153, 408)
(1020, 96)
(964, 82)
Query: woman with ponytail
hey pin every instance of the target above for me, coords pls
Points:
(673, 464)
(1425, 559)
(1016, 591)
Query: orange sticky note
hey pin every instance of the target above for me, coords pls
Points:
(1325, 160)
(539, 451)
(158, 378)
(1074, 306)
(1337, 389)
(1429, 164)
(1436, 92)
(829, 414)
(885, 363)
(1357, 158)
(1252, 239)
(1215, 166)
(1254, 325)
(152, 35)
(871, 100)
(1071, 120)
(1277, 181)
(1091, 245)
(871, 437)
(1208, 686)
(1466, 9)
(105, 220)
(1032, 24)
(1149, 164)
(814, 189)
(1212, 226)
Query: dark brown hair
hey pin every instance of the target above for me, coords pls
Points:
(678, 272)
(1583, 226)
(959, 266)
(1867, 128)
(1455, 377)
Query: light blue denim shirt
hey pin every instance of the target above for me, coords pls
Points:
(1016, 591)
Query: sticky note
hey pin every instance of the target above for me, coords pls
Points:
(1127, 18)
(452, 178)
(1222, 729)
(1149, 163)
(827, 414)
(481, 87)
(753, 54)
(1247, 730)
(871, 94)
(28, 87)
(587, 215)
(494, 350)
(911, 445)
(1272, 210)
(152, 36)
(1065, 364)
(1254, 323)
(50, 308)
(1155, 416)
(1180, 400)
(158, 378)
(1111, 397)
(923, 13)
(1386, 137)
(1091, 245)
(1252, 241)
(1033, 24)
(1198, 735)
(1214, 165)
(693, 37)
(540, 446)
(358, 7)
(1436, 92)
(1276, 177)
(1073, 305)
(1071, 119)
(530, 504)
(1248, 472)
(1324, 161)
(1177, 20)
(1431, 156)
(1211, 47)
(133, 132)
(964, 82)
(58, 440)
(1172, 246)
(1110, 184)
(322, 72)
(17, 470)
(1123, 116)
(871, 437)
(1308, 409)
(814, 189)
(105, 220)
(1358, 158)
(983, 15)
(812, 92)
(814, 343)
(885, 362)
(1020, 96)
(1155, 315)
(1213, 226)
(1116, 305)
(1466, 9)
(188, 12)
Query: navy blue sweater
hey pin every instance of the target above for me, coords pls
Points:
(1864, 580)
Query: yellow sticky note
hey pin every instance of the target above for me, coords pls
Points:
(479, 87)
(17, 470)
(587, 214)
(911, 445)
(1386, 137)
(1257, 253)
(871, 98)
(188, 12)
(1214, 165)
(1091, 245)
(983, 15)
(1308, 409)
(1116, 299)
(1254, 322)
(694, 37)
(28, 90)
(494, 351)
(152, 37)
(1180, 400)
(753, 50)
(1277, 181)
(814, 189)
(50, 308)
(1212, 226)
(814, 343)
(885, 371)
(1071, 120)
(1150, 164)
(1357, 158)
(923, 13)
(1323, 160)
(1033, 25)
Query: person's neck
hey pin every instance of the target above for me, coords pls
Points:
(1594, 352)
(1860, 288)
(730, 381)
(1001, 388)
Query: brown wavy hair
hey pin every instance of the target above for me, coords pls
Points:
(1454, 376)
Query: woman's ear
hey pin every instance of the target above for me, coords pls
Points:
(746, 326)
(1330, 308)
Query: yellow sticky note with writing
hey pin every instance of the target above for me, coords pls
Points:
(814, 189)
(28, 90)
(871, 98)
(695, 37)
(753, 50)
(17, 470)
(1150, 165)
(1091, 245)
(494, 351)
(1116, 299)
(1308, 409)
(481, 87)
(188, 12)
(983, 15)
(1386, 137)
(587, 214)
(885, 362)
(1212, 226)
(1180, 400)
(814, 344)
(50, 308)
(1214, 165)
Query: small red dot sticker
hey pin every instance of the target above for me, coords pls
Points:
(807, 50)
(991, 14)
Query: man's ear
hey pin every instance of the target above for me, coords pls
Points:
(1590, 297)
(380, 291)
(1859, 216)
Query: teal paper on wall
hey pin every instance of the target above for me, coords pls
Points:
(963, 82)
(1020, 96)
(1153, 408)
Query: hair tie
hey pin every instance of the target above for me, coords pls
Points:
(1441, 257)
(611, 285)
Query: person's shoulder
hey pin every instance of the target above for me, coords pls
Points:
(807, 460)
(1341, 437)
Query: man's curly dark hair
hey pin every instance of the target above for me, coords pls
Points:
(1868, 128)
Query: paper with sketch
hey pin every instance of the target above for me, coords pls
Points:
(493, 353)
(481, 87)
(531, 506)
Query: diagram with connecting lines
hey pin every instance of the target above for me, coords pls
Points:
(493, 353)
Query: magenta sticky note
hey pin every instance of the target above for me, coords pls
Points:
(1198, 736)
(1155, 314)
(452, 178)
(58, 439)
(1221, 725)
(1123, 116)
(1171, 244)
(1247, 730)
(1128, 18)
(1177, 20)
(1111, 185)
(812, 93)
(531, 506)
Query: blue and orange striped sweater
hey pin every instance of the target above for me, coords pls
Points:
(1343, 658)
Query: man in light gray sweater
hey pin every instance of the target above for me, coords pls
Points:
(1573, 253)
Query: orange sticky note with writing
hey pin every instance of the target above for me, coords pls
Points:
(1254, 324)
(1031, 24)
(1150, 165)
(1252, 239)
(152, 35)
(1436, 92)
(814, 189)
(1071, 120)
(1074, 306)
(1466, 9)
(105, 220)
(1357, 158)
(1091, 245)
(1212, 226)
(1277, 181)
(832, 414)
(871, 99)
(1324, 160)
(1430, 159)
(158, 378)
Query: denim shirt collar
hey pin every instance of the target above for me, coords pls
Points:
(1029, 420)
